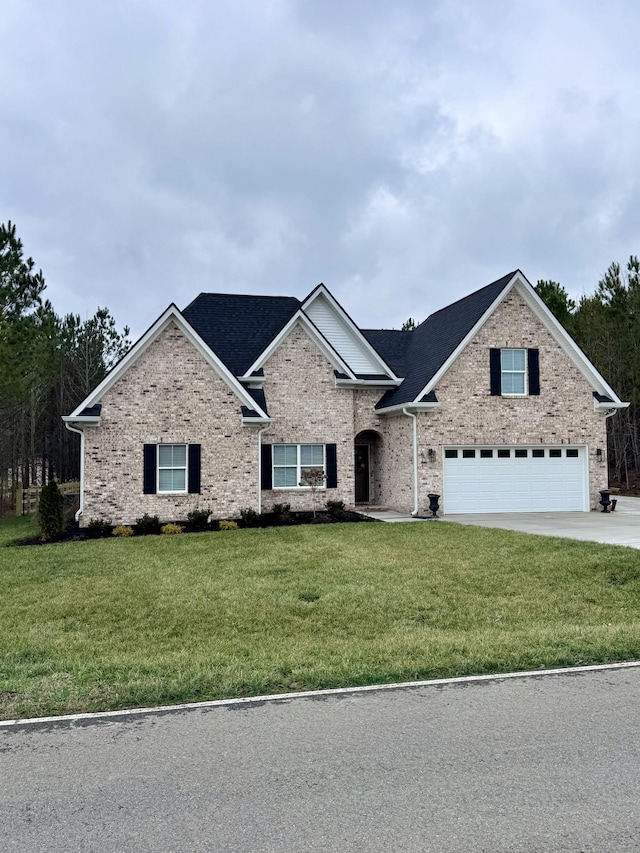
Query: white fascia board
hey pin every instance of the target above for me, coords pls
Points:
(553, 326)
(321, 289)
(607, 407)
(314, 332)
(86, 420)
(172, 314)
(368, 383)
(254, 421)
(412, 407)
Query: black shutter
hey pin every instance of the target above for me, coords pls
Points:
(265, 462)
(194, 469)
(534, 371)
(495, 371)
(332, 466)
(149, 469)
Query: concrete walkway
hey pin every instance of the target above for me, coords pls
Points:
(621, 527)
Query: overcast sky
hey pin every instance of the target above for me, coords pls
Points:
(404, 153)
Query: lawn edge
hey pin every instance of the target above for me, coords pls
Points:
(125, 714)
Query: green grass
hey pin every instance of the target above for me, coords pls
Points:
(122, 623)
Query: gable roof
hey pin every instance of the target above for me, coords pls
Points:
(431, 343)
(337, 327)
(248, 400)
(239, 328)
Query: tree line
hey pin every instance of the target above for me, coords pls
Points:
(48, 365)
(606, 326)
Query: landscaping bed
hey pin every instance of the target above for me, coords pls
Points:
(151, 526)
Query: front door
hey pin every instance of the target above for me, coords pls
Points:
(362, 473)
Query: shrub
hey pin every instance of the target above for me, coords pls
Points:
(227, 525)
(98, 529)
(281, 509)
(249, 517)
(50, 513)
(198, 519)
(171, 529)
(148, 524)
(335, 508)
(122, 530)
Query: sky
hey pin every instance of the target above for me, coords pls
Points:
(404, 153)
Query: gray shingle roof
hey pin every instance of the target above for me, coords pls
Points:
(239, 328)
(432, 342)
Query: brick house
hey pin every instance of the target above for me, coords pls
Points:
(488, 403)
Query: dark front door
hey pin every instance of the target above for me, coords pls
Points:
(362, 473)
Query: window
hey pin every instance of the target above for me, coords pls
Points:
(468, 454)
(486, 453)
(513, 364)
(572, 452)
(450, 453)
(538, 453)
(172, 468)
(514, 372)
(504, 453)
(555, 453)
(291, 460)
(521, 453)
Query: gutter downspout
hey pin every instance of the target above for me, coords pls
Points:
(260, 431)
(81, 434)
(415, 459)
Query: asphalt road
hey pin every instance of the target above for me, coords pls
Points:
(544, 764)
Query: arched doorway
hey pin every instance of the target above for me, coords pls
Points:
(367, 449)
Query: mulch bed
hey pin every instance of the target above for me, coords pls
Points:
(74, 533)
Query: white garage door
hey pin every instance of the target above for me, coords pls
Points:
(515, 479)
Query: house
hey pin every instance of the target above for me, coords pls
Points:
(224, 405)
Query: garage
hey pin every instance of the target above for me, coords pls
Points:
(515, 479)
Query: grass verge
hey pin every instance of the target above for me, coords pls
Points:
(120, 623)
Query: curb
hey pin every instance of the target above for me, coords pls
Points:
(126, 714)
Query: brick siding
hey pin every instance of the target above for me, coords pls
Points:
(171, 394)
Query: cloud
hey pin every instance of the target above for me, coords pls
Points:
(403, 153)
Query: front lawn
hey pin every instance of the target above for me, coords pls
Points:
(156, 620)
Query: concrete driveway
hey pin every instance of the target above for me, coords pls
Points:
(621, 527)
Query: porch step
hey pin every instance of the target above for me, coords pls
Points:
(371, 508)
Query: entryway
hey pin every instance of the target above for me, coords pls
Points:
(366, 450)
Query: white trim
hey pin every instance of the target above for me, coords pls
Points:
(255, 421)
(184, 491)
(314, 333)
(552, 325)
(400, 407)
(322, 290)
(85, 419)
(172, 314)
(524, 372)
(368, 383)
(299, 466)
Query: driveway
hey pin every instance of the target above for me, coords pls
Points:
(621, 527)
